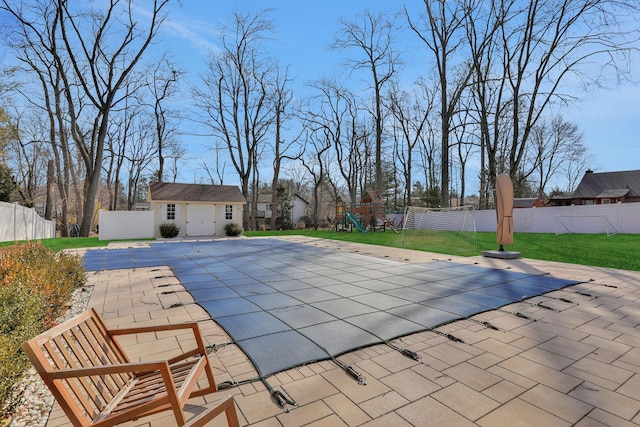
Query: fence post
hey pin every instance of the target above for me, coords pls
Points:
(619, 215)
(15, 220)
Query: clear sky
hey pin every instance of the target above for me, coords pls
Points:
(608, 119)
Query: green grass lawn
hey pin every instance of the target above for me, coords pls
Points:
(59, 243)
(619, 251)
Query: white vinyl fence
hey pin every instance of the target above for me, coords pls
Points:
(20, 223)
(618, 218)
(121, 225)
(622, 218)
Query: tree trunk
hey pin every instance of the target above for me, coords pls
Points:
(48, 210)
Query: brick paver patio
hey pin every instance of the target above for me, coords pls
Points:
(569, 357)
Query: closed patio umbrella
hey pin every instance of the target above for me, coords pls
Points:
(504, 206)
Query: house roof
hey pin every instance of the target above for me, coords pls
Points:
(266, 198)
(614, 193)
(608, 185)
(527, 202)
(171, 191)
(301, 198)
(563, 196)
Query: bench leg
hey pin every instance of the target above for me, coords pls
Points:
(227, 406)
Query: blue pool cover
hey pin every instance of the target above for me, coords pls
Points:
(286, 304)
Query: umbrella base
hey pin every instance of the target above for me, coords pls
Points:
(501, 254)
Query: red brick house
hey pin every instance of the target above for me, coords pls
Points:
(599, 188)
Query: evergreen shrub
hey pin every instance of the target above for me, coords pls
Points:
(169, 230)
(233, 229)
(35, 287)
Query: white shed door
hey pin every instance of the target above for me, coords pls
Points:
(200, 220)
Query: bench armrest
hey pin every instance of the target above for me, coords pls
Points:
(148, 329)
(200, 347)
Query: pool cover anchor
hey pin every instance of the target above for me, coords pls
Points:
(541, 304)
(484, 323)
(214, 348)
(282, 400)
(521, 315)
(488, 325)
(405, 351)
(351, 371)
(279, 396)
(449, 336)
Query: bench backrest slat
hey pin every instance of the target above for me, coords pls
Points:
(96, 352)
(75, 388)
(83, 342)
(78, 354)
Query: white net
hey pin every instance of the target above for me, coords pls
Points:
(447, 226)
(595, 224)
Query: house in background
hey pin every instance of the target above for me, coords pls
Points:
(607, 187)
(528, 202)
(198, 209)
(563, 199)
(299, 208)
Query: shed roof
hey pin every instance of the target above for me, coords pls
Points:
(175, 192)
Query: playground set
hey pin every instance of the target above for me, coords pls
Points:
(369, 215)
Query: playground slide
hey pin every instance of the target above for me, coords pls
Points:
(355, 222)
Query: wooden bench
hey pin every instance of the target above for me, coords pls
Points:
(96, 383)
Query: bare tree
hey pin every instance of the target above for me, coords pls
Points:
(579, 161)
(428, 148)
(235, 98)
(297, 177)
(131, 151)
(34, 38)
(101, 68)
(530, 52)
(554, 146)
(175, 153)
(465, 146)
(28, 156)
(486, 94)
(216, 172)
(316, 163)
(334, 112)
(119, 135)
(140, 154)
(162, 82)
(282, 97)
(373, 35)
(443, 22)
(92, 54)
(410, 112)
